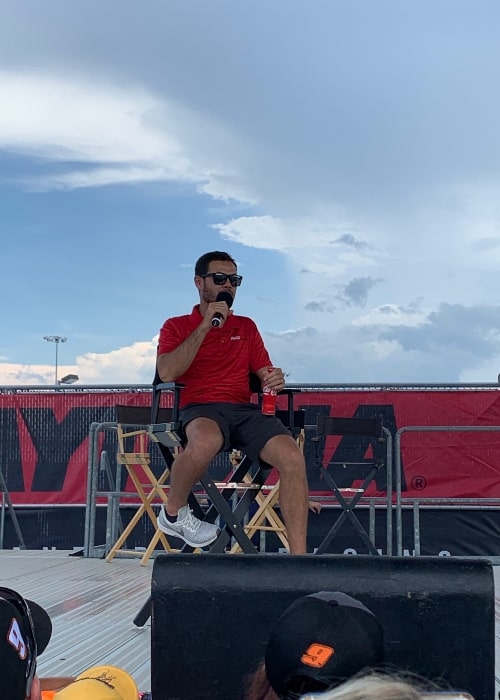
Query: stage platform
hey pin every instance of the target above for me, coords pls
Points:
(92, 605)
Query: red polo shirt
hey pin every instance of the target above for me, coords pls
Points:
(220, 370)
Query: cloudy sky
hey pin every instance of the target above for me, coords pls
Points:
(345, 152)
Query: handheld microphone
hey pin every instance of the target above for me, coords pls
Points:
(218, 317)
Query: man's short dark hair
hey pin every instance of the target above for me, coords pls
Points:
(201, 267)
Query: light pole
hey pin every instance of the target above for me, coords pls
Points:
(55, 339)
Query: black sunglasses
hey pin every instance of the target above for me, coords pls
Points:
(220, 278)
(22, 607)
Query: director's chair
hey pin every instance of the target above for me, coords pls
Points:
(132, 432)
(348, 498)
(229, 500)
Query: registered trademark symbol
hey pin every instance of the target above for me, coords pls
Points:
(419, 483)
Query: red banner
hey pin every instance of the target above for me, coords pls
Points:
(452, 462)
(44, 439)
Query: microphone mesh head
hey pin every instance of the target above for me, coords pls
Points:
(225, 296)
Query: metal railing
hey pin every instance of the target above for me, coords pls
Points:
(7, 502)
(94, 461)
(419, 501)
(327, 386)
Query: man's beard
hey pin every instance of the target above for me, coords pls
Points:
(211, 295)
(208, 296)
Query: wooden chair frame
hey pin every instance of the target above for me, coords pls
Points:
(149, 488)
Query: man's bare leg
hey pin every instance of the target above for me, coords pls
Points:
(283, 453)
(204, 441)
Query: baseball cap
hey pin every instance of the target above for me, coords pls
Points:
(25, 630)
(100, 683)
(319, 641)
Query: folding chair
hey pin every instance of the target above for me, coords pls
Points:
(231, 499)
(348, 498)
(132, 430)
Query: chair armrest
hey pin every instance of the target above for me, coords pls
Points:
(168, 434)
(168, 386)
(289, 391)
(175, 388)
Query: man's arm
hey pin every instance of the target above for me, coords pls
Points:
(173, 364)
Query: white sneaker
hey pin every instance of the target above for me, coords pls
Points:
(194, 532)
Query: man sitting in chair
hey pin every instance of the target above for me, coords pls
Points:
(214, 363)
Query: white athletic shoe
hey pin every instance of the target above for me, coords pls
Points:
(194, 532)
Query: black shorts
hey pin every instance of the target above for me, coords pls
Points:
(243, 426)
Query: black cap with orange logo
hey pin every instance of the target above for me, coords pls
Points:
(319, 641)
(25, 630)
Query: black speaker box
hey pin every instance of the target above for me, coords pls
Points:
(211, 615)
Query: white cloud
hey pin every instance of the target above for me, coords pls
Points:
(83, 121)
(229, 187)
(134, 364)
(276, 233)
(12, 374)
(442, 246)
(112, 134)
(320, 246)
(257, 232)
(97, 177)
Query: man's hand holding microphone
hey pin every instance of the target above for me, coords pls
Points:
(218, 310)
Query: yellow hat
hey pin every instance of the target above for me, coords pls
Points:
(100, 683)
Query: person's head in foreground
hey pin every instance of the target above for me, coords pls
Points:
(319, 641)
(25, 630)
(100, 683)
(374, 686)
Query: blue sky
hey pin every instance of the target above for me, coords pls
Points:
(346, 153)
